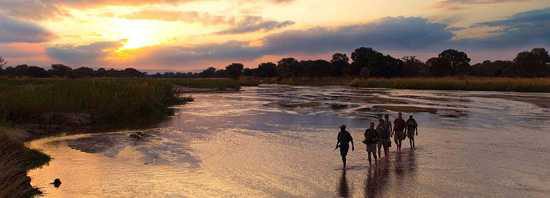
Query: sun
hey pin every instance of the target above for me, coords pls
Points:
(137, 34)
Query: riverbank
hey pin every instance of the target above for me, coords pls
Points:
(34, 108)
(423, 83)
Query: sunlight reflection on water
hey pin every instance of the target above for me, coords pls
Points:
(277, 141)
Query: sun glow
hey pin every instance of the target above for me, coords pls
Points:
(137, 33)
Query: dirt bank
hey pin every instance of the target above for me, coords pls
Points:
(16, 160)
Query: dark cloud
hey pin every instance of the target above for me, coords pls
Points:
(94, 53)
(254, 24)
(523, 29)
(14, 31)
(389, 33)
(231, 50)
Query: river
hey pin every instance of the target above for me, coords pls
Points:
(278, 141)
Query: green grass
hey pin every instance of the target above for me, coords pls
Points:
(467, 84)
(106, 101)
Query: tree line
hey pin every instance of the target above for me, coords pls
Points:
(59, 70)
(362, 62)
(367, 62)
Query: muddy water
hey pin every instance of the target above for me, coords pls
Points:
(277, 141)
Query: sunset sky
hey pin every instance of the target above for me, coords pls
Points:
(189, 35)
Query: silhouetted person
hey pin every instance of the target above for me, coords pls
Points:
(383, 137)
(344, 137)
(399, 131)
(388, 124)
(412, 130)
(371, 140)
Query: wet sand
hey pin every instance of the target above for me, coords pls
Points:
(263, 143)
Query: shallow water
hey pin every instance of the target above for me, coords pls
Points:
(277, 141)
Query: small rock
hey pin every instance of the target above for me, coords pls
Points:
(56, 183)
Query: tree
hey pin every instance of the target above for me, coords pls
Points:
(439, 67)
(267, 70)
(60, 70)
(458, 61)
(208, 72)
(82, 72)
(288, 67)
(3, 62)
(496, 68)
(366, 57)
(412, 66)
(340, 64)
(234, 70)
(532, 63)
(377, 63)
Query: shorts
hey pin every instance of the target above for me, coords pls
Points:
(371, 148)
(385, 142)
(399, 135)
(410, 135)
(344, 148)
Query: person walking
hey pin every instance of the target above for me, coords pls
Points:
(343, 140)
(371, 140)
(383, 138)
(399, 131)
(412, 130)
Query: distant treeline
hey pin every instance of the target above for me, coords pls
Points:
(367, 62)
(58, 70)
(363, 62)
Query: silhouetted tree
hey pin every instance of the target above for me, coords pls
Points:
(3, 62)
(288, 67)
(82, 72)
(533, 63)
(412, 66)
(60, 70)
(209, 72)
(340, 63)
(458, 61)
(234, 70)
(439, 67)
(377, 63)
(496, 68)
(267, 70)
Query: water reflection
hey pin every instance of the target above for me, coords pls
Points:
(271, 141)
(397, 173)
(343, 187)
(154, 147)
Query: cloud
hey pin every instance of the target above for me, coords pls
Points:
(522, 29)
(95, 53)
(40, 9)
(187, 16)
(389, 33)
(255, 23)
(16, 31)
(460, 4)
(230, 50)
